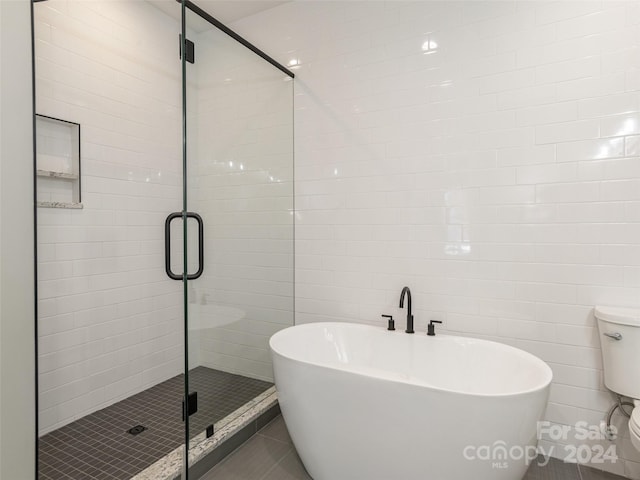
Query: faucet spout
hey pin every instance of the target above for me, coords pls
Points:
(406, 291)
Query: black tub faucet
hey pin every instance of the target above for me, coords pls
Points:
(406, 291)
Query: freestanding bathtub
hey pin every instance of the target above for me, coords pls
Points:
(363, 403)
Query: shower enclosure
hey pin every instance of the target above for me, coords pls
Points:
(164, 168)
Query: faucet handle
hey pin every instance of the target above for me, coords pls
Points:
(431, 329)
(391, 325)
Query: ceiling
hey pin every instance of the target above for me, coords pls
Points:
(226, 11)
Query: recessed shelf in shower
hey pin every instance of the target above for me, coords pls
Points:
(57, 163)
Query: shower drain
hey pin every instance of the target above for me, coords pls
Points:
(137, 429)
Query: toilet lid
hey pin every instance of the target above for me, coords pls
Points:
(623, 316)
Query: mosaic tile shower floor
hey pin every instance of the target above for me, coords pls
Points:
(99, 446)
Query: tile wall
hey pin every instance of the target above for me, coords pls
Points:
(486, 154)
(110, 320)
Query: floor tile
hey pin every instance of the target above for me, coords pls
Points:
(289, 468)
(277, 430)
(588, 473)
(252, 460)
(552, 469)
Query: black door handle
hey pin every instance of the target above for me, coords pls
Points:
(167, 245)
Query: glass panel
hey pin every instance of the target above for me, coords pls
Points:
(110, 324)
(240, 180)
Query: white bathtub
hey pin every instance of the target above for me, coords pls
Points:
(363, 403)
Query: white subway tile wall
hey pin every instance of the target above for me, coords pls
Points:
(484, 154)
(110, 321)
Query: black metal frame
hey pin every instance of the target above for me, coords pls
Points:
(35, 248)
(221, 26)
(167, 245)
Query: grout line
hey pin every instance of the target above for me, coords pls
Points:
(275, 465)
(579, 472)
(272, 438)
(279, 417)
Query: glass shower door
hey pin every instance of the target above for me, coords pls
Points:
(127, 346)
(239, 164)
(109, 169)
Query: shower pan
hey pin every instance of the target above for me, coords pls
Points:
(164, 173)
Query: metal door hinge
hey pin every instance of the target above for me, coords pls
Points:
(191, 405)
(190, 50)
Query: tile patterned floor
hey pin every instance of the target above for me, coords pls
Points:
(270, 455)
(99, 447)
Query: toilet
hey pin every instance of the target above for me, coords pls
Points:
(620, 340)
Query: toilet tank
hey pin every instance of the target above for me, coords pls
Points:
(619, 330)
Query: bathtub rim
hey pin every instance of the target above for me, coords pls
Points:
(547, 372)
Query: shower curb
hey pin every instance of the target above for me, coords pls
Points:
(229, 433)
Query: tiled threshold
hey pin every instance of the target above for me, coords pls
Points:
(270, 455)
(229, 434)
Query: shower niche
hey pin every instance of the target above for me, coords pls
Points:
(58, 163)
